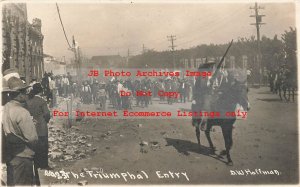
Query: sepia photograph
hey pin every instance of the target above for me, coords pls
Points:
(149, 93)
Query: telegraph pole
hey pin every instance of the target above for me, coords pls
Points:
(144, 49)
(76, 50)
(171, 38)
(258, 23)
(128, 55)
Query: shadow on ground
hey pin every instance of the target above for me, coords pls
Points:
(270, 99)
(185, 147)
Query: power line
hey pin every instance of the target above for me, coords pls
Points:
(207, 29)
(63, 26)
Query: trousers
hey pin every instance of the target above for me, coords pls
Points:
(20, 172)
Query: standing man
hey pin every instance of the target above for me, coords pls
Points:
(95, 89)
(38, 108)
(119, 89)
(182, 90)
(33, 81)
(249, 76)
(20, 136)
(86, 93)
(53, 89)
(65, 83)
(70, 78)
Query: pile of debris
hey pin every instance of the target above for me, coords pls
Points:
(69, 145)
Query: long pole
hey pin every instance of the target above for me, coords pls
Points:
(171, 39)
(258, 23)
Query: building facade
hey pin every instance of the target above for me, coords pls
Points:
(22, 42)
(54, 65)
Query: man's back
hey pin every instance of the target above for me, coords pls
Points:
(38, 108)
(20, 130)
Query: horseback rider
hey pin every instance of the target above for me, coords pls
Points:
(202, 96)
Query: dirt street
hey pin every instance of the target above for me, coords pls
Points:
(165, 151)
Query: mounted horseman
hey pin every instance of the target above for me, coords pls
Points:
(220, 93)
(201, 98)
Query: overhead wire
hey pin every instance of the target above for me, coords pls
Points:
(132, 46)
(221, 22)
(63, 26)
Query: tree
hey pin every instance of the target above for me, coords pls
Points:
(290, 47)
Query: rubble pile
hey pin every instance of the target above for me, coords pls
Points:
(69, 145)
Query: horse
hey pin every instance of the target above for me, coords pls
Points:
(225, 99)
(289, 84)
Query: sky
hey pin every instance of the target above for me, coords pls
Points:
(113, 28)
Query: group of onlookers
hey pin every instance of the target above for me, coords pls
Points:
(25, 116)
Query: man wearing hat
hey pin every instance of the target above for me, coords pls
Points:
(33, 80)
(95, 88)
(7, 74)
(20, 135)
(38, 108)
(202, 97)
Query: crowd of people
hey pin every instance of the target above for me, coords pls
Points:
(93, 91)
(25, 115)
(25, 136)
(122, 93)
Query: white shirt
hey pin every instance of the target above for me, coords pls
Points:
(52, 84)
(65, 80)
(120, 87)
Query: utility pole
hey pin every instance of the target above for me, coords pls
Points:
(171, 38)
(128, 56)
(75, 49)
(144, 49)
(258, 23)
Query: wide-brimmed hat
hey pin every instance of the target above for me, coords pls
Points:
(7, 74)
(5, 87)
(207, 65)
(15, 84)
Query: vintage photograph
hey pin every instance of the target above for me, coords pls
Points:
(149, 93)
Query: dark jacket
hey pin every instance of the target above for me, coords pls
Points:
(38, 108)
(202, 94)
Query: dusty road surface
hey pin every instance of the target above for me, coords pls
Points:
(165, 151)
